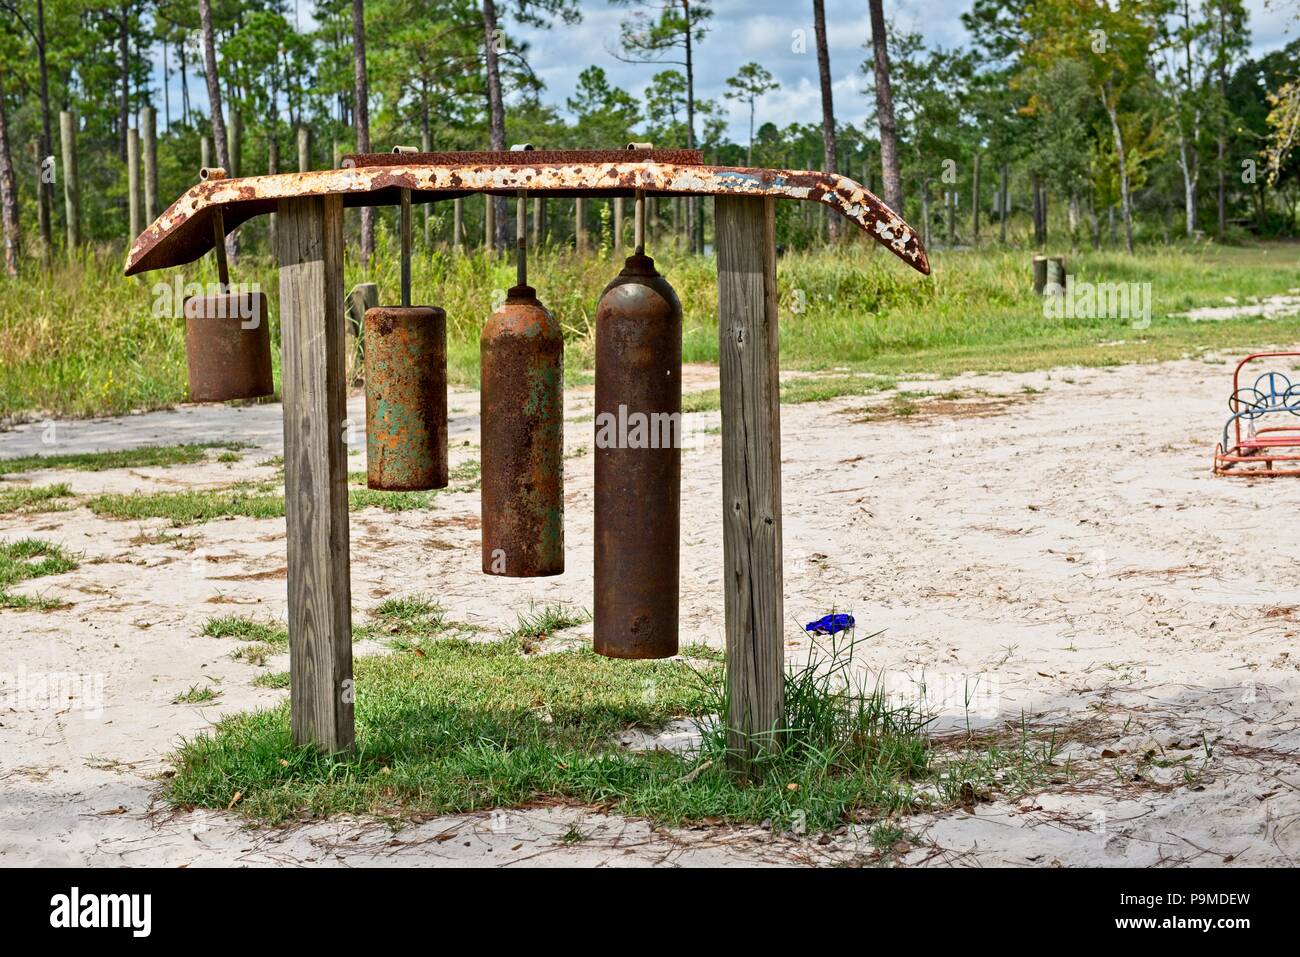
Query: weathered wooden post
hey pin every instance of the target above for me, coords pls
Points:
(304, 149)
(364, 296)
(71, 184)
(314, 391)
(1040, 274)
(133, 181)
(149, 145)
(751, 472)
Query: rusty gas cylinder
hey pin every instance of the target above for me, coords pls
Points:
(638, 464)
(406, 397)
(522, 430)
(228, 346)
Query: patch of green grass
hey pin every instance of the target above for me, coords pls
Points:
(277, 680)
(359, 498)
(197, 694)
(538, 625)
(42, 498)
(243, 500)
(188, 507)
(702, 652)
(405, 622)
(795, 391)
(82, 341)
(466, 476)
(29, 558)
(245, 629)
(149, 455)
(465, 725)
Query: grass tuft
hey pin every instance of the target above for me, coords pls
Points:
(29, 558)
(143, 457)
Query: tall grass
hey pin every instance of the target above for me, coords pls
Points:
(84, 340)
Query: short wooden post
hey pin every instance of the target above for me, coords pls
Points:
(304, 149)
(751, 472)
(272, 167)
(315, 472)
(133, 183)
(235, 143)
(364, 295)
(1040, 274)
(149, 146)
(426, 146)
(71, 184)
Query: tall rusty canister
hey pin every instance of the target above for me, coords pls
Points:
(228, 346)
(638, 462)
(522, 424)
(406, 397)
(406, 384)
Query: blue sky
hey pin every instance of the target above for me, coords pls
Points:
(762, 30)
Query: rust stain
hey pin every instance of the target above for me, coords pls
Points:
(183, 232)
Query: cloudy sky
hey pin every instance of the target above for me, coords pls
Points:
(764, 30)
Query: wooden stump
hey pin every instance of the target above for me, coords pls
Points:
(1040, 274)
(751, 472)
(321, 691)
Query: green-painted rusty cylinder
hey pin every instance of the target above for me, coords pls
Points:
(228, 347)
(406, 397)
(522, 426)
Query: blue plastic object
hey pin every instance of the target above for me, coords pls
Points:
(830, 624)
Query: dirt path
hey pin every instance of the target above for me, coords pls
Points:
(1050, 545)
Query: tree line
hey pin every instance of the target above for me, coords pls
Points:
(1101, 121)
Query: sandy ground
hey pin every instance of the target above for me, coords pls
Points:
(1049, 546)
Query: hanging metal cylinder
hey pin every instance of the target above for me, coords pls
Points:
(406, 397)
(227, 333)
(522, 427)
(638, 463)
(406, 384)
(228, 347)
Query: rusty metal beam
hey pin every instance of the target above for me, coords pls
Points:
(183, 232)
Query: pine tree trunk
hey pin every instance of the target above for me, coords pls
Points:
(833, 221)
(361, 118)
(496, 114)
(214, 98)
(885, 111)
(8, 192)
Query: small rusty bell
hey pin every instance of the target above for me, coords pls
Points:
(638, 464)
(522, 426)
(228, 346)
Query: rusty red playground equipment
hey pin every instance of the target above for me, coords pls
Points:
(1259, 448)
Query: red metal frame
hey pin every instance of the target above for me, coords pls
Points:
(1266, 445)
